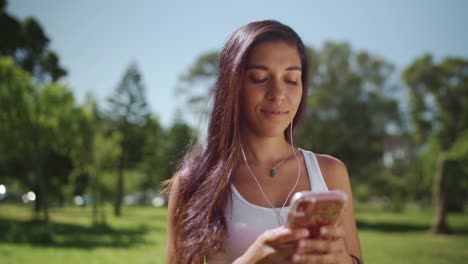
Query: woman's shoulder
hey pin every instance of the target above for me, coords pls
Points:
(334, 171)
(328, 162)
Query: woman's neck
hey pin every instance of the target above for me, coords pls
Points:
(265, 150)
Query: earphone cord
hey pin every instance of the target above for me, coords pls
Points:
(279, 163)
(260, 187)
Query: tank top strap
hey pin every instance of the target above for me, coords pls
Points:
(317, 182)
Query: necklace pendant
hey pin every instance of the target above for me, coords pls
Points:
(273, 172)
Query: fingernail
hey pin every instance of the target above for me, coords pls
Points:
(323, 231)
(296, 258)
(302, 244)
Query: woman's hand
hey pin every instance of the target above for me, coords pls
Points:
(329, 248)
(274, 246)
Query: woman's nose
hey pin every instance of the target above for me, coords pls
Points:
(276, 89)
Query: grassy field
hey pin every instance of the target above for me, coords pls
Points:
(388, 238)
(140, 237)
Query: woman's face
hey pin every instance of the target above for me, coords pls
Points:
(272, 88)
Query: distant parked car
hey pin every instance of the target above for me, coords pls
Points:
(149, 197)
(160, 200)
(82, 200)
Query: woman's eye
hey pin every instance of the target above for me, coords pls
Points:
(291, 82)
(256, 80)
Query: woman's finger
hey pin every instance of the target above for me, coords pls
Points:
(278, 243)
(284, 235)
(317, 258)
(332, 232)
(319, 246)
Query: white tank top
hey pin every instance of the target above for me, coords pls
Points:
(247, 221)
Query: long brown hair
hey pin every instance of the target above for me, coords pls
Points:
(204, 174)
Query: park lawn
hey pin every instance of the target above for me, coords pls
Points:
(140, 237)
(388, 238)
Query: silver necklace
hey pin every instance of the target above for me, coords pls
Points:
(278, 212)
(273, 171)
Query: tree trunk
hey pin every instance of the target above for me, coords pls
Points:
(38, 203)
(439, 225)
(120, 184)
(103, 210)
(42, 195)
(95, 199)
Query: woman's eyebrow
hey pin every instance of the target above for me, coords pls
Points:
(256, 66)
(263, 67)
(294, 68)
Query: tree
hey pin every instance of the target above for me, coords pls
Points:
(53, 130)
(17, 102)
(28, 44)
(129, 111)
(195, 83)
(38, 129)
(349, 108)
(154, 155)
(96, 156)
(180, 136)
(439, 110)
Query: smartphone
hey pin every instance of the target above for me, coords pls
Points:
(313, 210)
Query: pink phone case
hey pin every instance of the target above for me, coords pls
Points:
(314, 210)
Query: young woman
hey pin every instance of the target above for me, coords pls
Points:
(229, 199)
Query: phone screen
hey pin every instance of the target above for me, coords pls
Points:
(314, 210)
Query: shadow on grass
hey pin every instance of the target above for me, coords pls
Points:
(404, 227)
(71, 235)
(391, 226)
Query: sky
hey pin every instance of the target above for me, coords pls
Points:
(97, 40)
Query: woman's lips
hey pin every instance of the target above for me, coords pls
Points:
(274, 112)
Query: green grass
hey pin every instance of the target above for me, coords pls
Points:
(405, 238)
(140, 237)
